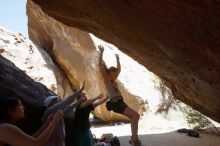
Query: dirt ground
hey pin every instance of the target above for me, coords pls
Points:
(174, 139)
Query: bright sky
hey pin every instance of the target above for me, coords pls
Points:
(13, 16)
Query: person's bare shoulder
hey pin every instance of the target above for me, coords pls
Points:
(7, 127)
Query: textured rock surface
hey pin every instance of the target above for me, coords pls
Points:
(34, 61)
(75, 52)
(177, 40)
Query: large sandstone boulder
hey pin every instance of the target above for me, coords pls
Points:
(75, 52)
(177, 40)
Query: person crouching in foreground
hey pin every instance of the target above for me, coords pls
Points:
(53, 103)
(11, 111)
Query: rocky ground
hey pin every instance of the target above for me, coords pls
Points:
(159, 138)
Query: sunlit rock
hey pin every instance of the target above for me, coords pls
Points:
(34, 61)
(76, 53)
(177, 40)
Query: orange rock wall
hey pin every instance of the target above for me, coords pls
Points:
(177, 40)
(75, 52)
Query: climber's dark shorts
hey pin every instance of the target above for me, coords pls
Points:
(116, 104)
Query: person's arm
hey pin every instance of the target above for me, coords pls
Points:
(10, 134)
(87, 102)
(70, 107)
(69, 100)
(43, 126)
(40, 130)
(94, 101)
(101, 61)
(90, 101)
(100, 101)
(63, 104)
(118, 64)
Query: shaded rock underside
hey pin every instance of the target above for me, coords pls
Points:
(177, 40)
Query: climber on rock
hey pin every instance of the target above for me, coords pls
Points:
(116, 102)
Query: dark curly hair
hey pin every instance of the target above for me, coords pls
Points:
(5, 105)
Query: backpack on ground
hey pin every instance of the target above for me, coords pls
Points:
(106, 140)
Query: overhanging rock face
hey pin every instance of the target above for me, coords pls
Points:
(177, 40)
(75, 52)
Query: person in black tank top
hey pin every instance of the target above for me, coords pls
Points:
(83, 136)
(116, 103)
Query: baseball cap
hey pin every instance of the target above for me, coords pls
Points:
(48, 99)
